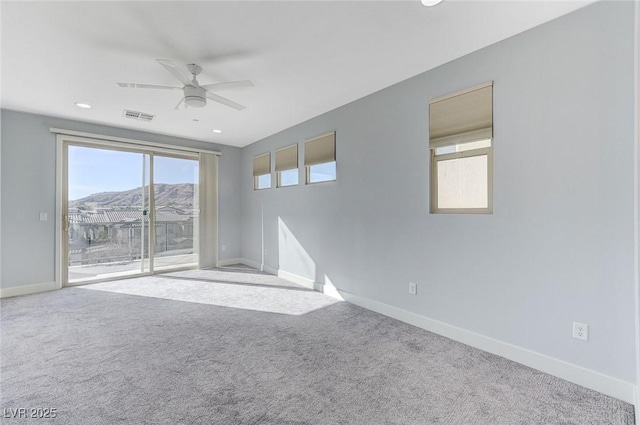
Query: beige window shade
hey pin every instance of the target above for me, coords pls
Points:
(320, 150)
(207, 204)
(262, 164)
(461, 117)
(287, 158)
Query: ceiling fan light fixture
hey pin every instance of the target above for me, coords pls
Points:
(195, 101)
(430, 3)
(194, 97)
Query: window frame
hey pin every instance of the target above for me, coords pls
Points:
(267, 168)
(307, 159)
(488, 152)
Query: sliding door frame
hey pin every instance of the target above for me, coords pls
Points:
(206, 187)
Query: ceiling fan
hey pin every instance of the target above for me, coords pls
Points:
(195, 95)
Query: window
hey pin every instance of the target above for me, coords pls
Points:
(262, 182)
(322, 172)
(320, 158)
(262, 171)
(287, 166)
(461, 144)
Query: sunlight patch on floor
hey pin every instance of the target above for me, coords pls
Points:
(247, 296)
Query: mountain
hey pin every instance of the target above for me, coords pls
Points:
(180, 194)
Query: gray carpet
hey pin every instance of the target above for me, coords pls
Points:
(240, 347)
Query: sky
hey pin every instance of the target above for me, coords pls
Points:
(94, 170)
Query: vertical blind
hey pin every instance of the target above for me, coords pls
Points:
(320, 150)
(262, 164)
(464, 116)
(287, 158)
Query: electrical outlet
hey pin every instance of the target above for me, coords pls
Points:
(224, 247)
(413, 288)
(581, 331)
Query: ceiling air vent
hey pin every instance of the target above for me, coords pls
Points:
(139, 116)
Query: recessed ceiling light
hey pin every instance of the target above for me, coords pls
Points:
(430, 2)
(196, 119)
(83, 105)
(217, 131)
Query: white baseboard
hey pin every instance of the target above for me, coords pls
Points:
(251, 263)
(597, 381)
(331, 291)
(229, 262)
(307, 283)
(269, 270)
(258, 266)
(291, 277)
(14, 291)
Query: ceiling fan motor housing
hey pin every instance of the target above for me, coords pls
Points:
(195, 97)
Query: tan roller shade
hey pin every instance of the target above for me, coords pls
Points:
(464, 116)
(287, 158)
(262, 164)
(320, 150)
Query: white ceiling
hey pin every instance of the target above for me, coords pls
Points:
(305, 58)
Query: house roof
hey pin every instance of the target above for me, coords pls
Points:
(126, 216)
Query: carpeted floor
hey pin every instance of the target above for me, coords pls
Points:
(240, 347)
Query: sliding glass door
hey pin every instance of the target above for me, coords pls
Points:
(128, 213)
(175, 184)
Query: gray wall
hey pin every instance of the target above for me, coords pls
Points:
(28, 156)
(559, 246)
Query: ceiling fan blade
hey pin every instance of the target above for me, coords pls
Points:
(181, 105)
(225, 101)
(228, 85)
(147, 86)
(173, 69)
